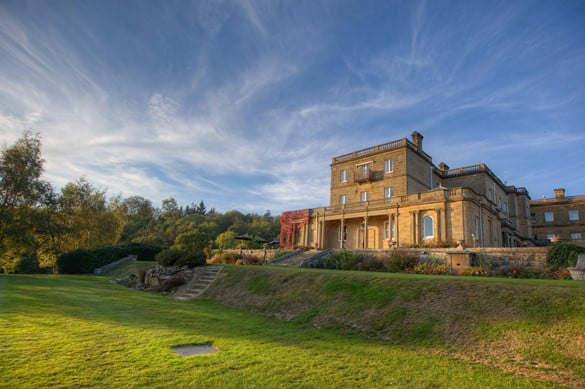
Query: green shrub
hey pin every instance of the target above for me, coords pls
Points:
(28, 264)
(79, 261)
(520, 272)
(372, 264)
(400, 262)
(562, 255)
(106, 255)
(144, 252)
(170, 257)
(342, 260)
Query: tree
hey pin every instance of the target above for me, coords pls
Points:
(89, 220)
(201, 208)
(194, 241)
(140, 215)
(22, 193)
(227, 240)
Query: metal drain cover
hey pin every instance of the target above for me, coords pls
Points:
(195, 349)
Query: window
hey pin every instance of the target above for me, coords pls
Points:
(388, 165)
(389, 230)
(342, 200)
(490, 195)
(428, 227)
(573, 215)
(363, 197)
(343, 175)
(550, 236)
(388, 193)
(549, 217)
(533, 217)
(576, 235)
(477, 228)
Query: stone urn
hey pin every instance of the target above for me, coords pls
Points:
(578, 272)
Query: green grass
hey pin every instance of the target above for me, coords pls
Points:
(83, 331)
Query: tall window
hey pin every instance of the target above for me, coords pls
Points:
(388, 165)
(477, 228)
(389, 229)
(549, 217)
(363, 197)
(388, 193)
(343, 175)
(573, 215)
(342, 200)
(428, 227)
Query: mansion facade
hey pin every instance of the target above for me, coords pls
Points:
(392, 195)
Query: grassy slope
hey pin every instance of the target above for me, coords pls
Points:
(531, 327)
(71, 331)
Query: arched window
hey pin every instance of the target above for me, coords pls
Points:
(428, 227)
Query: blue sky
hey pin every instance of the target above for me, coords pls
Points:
(243, 104)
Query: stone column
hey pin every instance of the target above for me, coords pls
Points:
(439, 225)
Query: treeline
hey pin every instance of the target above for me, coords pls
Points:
(38, 224)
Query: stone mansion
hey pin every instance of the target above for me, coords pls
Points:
(392, 195)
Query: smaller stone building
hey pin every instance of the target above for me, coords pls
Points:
(559, 218)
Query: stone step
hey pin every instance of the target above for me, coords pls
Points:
(199, 284)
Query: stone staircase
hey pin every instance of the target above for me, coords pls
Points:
(200, 283)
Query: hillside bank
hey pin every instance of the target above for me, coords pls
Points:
(532, 327)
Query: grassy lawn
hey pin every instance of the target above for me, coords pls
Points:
(83, 331)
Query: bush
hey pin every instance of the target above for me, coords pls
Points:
(144, 252)
(400, 262)
(562, 255)
(520, 272)
(251, 260)
(342, 260)
(171, 257)
(372, 264)
(28, 264)
(79, 261)
(475, 271)
(228, 257)
(106, 255)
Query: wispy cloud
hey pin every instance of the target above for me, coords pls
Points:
(244, 103)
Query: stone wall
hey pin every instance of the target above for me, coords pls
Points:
(255, 253)
(530, 258)
(110, 266)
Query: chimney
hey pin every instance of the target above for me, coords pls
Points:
(417, 140)
(559, 193)
(443, 166)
